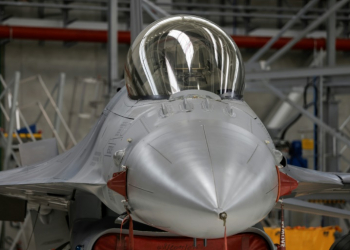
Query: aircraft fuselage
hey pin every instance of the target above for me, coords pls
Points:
(190, 158)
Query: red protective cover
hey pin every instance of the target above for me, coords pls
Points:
(245, 241)
(118, 183)
(286, 184)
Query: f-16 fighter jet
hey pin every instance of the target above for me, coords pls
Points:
(177, 149)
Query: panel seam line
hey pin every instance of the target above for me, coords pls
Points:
(212, 169)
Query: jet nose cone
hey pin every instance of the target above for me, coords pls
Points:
(181, 178)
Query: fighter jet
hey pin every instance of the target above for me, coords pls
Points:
(177, 149)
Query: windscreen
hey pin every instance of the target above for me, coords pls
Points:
(183, 53)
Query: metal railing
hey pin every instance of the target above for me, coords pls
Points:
(14, 115)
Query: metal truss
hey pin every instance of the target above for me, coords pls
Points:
(15, 115)
(309, 28)
(316, 120)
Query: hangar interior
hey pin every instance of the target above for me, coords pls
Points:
(60, 65)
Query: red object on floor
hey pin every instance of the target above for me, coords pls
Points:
(244, 241)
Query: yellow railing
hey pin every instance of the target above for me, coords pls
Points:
(27, 135)
(301, 238)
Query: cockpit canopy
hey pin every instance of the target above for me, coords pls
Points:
(182, 53)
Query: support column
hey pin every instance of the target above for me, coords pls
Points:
(112, 44)
(247, 19)
(279, 20)
(331, 35)
(59, 99)
(136, 20)
(222, 18)
(330, 107)
(12, 121)
(330, 116)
